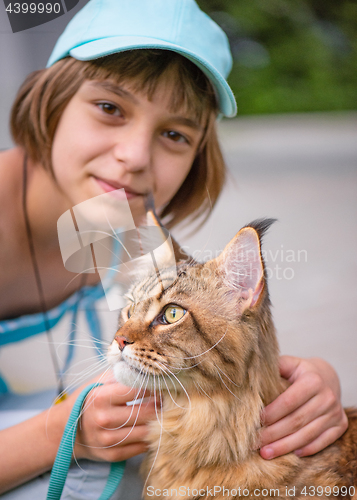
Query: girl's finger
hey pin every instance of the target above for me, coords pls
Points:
(321, 442)
(124, 436)
(125, 416)
(316, 407)
(288, 366)
(294, 397)
(296, 441)
(112, 394)
(125, 452)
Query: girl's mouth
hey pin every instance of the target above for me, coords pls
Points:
(116, 189)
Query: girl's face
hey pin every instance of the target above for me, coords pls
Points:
(111, 137)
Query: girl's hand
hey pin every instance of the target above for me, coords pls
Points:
(109, 430)
(308, 416)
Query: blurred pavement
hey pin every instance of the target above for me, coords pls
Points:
(302, 170)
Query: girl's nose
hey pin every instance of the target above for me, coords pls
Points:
(134, 149)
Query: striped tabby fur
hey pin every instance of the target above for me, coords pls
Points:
(216, 368)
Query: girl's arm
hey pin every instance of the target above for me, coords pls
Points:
(105, 434)
(28, 449)
(308, 416)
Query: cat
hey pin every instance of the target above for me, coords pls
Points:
(201, 336)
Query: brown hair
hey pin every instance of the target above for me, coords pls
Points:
(45, 93)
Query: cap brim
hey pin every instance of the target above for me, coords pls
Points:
(106, 46)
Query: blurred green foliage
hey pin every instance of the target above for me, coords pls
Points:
(290, 55)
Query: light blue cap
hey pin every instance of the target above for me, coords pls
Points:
(105, 27)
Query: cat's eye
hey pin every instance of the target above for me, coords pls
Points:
(173, 314)
(131, 310)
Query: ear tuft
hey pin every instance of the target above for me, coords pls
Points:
(261, 226)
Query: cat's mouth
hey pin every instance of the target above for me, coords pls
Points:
(126, 365)
(134, 370)
(140, 366)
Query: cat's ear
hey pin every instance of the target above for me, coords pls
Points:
(170, 244)
(242, 265)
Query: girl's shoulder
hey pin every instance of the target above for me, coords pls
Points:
(11, 161)
(11, 158)
(10, 191)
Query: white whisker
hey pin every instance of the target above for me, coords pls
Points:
(200, 388)
(169, 392)
(158, 447)
(202, 353)
(85, 374)
(155, 401)
(229, 389)
(90, 398)
(131, 412)
(122, 440)
(238, 386)
(116, 237)
(188, 397)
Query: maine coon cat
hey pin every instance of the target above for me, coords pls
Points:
(202, 337)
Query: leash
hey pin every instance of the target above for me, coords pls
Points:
(64, 456)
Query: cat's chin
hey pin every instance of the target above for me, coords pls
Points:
(127, 375)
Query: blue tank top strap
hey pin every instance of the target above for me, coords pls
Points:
(18, 329)
(95, 329)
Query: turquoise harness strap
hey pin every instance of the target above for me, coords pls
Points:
(113, 481)
(65, 451)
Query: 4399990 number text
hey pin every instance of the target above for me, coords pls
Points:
(327, 491)
(33, 8)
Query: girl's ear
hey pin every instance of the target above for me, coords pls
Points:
(242, 265)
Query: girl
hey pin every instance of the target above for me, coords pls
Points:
(129, 101)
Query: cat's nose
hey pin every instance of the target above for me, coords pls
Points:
(122, 341)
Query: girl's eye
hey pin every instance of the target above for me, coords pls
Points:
(109, 109)
(173, 314)
(175, 136)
